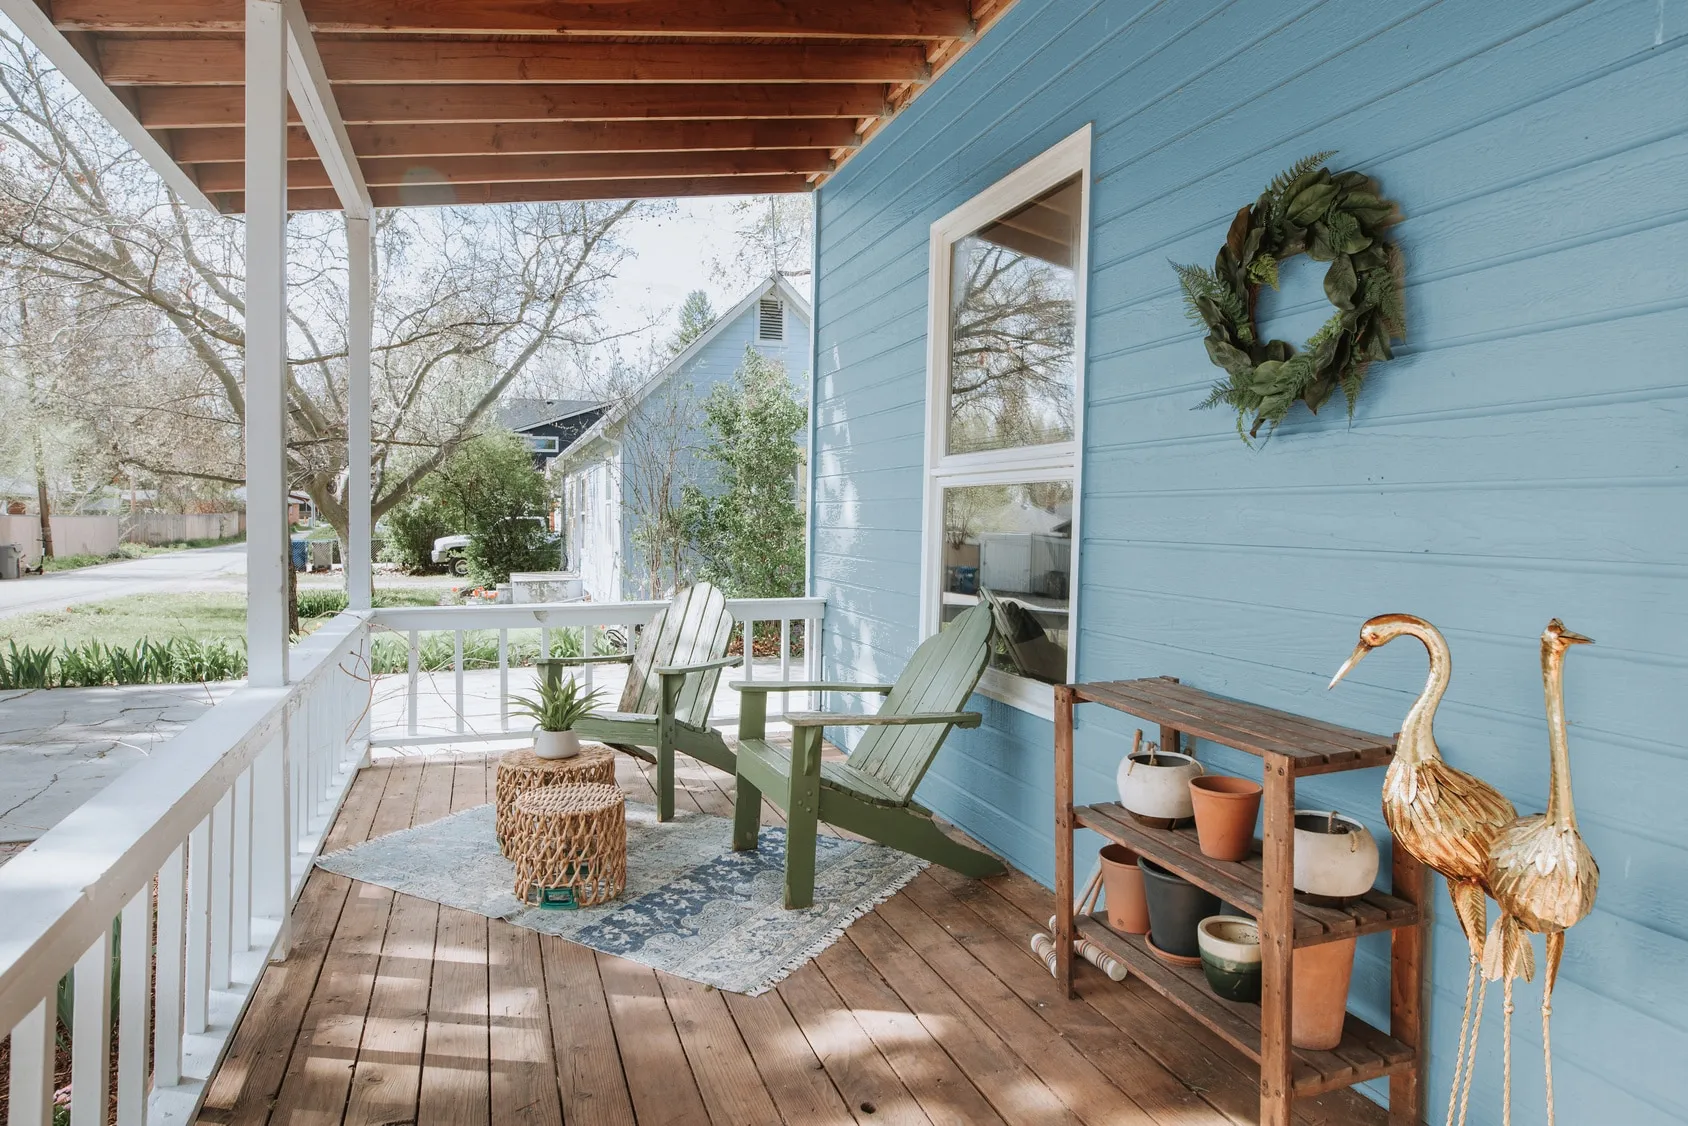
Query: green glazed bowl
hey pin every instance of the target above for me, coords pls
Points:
(1230, 949)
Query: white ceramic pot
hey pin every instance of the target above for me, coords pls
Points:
(1158, 792)
(556, 744)
(1333, 866)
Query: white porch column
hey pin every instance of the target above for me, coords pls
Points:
(360, 293)
(266, 343)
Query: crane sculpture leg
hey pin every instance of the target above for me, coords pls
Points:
(1471, 907)
(1555, 948)
(1508, 955)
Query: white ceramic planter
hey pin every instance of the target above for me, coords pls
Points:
(556, 744)
(1334, 867)
(1158, 795)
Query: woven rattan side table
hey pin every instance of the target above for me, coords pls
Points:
(521, 771)
(569, 844)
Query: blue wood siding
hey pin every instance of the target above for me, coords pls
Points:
(714, 364)
(1523, 457)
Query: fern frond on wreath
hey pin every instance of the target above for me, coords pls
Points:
(1279, 190)
(1198, 282)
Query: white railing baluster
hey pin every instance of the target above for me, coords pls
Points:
(785, 662)
(30, 1093)
(271, 835)
(457, 669)
(167, 1008)
(503, 680)
(90, 1040)
(196, 995)
(588, 648)
(749, 639)
(415, 659)
(240, 901)
(134, 1002)
(222, 890)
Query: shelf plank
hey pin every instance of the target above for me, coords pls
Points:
(1364, 1053)
(1239, 882)
(1313, 745)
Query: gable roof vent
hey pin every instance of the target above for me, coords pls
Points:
(770, 319)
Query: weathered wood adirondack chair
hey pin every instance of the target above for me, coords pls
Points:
(871, 793)
(671, 678)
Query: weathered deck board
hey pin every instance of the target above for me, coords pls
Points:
(930, 1011)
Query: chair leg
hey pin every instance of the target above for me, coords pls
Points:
(802, 816)
(747, 814)
(665, 783)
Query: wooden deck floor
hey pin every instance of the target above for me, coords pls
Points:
(394, 1010)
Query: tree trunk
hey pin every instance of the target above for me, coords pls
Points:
(41, 498)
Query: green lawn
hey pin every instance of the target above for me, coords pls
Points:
(124, 621)
(129, 551)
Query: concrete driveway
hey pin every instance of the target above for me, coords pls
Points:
(176, 572)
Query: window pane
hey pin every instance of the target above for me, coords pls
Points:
(1012, 544)
(1011, 327)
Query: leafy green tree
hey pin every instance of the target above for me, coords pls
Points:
(748, 535)
(696, 315)
(490, 490)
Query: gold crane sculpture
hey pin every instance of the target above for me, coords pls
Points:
(1540, 871)
(1447, 819)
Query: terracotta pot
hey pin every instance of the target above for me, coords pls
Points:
(1155, 788)
(1319, 994)
(1122, 883)
(1176, 908)
(556, 744)
(1230, 946)
(1335, 857)
(1226, 807)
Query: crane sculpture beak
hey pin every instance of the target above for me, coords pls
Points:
(1557, 629)
(1355, 658)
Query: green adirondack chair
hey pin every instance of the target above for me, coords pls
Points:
(671, 679)
(871, 793)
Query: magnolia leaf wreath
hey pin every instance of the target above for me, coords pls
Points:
(1331, 218)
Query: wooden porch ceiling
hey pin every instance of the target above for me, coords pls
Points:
(524, 100)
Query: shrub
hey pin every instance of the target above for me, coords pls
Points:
(92, 664)
(412, 528)
(320, 603)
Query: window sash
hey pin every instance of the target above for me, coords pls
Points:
(1058, 461)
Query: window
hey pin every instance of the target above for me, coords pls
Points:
(542, 443)
(1004, 418)
(770, 320)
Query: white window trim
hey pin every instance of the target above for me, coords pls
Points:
(1057, 461)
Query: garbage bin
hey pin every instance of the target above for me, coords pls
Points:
(301, 553)
(9, 554)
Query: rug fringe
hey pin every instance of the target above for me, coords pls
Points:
(820, 945)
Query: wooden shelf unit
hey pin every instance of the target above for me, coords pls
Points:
(1263, 886)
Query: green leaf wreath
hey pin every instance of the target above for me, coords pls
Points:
(1336, 218)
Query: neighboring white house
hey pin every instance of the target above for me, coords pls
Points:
(601, 486)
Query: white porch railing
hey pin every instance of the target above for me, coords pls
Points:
(799, 650)
(226, 818)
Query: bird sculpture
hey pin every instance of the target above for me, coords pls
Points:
(1540, 871)
(1445, 818)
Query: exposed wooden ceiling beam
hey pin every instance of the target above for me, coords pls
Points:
(441, 195)
(405, 171)
(856, 19)
(212, 146)
(219, 62)
(189, 107)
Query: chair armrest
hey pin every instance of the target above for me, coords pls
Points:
(826, 719)
(807, 686)
(701, 666)
(608, 659)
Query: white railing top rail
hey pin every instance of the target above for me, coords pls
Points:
(58, 895)
(560, 615)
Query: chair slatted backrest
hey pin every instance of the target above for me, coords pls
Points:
(940, 677)
(693, 628)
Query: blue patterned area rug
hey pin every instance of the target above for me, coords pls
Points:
(692, 906)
